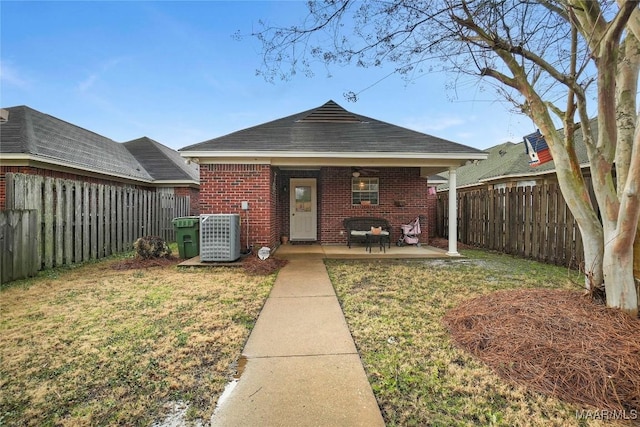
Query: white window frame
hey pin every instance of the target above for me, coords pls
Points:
(364, 187)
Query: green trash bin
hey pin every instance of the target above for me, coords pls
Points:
(187, 229)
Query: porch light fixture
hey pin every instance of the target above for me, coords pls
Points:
(355, 174)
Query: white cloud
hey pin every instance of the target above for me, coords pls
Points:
(432, 124)
(88, 83)
(11, 76)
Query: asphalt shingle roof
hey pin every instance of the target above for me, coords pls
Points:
(31, 132)
(330, 128)
(161, 162)
(510, 159)
(50, 139)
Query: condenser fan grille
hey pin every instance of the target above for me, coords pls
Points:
(219, 237)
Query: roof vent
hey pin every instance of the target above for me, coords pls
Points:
(330, 113)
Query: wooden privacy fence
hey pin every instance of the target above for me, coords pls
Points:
(77, 221)
(532, 222)
(17, 259)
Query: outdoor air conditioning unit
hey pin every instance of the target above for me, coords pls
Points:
(219, 237)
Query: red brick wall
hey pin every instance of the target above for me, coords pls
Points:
(432, 201)
(395, 184)
(224, 187)
(194, 195)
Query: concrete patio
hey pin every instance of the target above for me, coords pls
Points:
(335, 252)
(360, 251)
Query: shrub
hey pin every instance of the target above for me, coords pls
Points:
(148, 247)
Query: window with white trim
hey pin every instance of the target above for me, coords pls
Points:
(364, 191)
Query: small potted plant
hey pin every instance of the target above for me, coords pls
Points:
(284, 239)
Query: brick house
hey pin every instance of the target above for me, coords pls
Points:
(302, 175)
(37, 143)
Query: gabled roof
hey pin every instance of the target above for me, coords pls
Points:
(510, 160)
(29, 135)
(328, 129)
(161, 162)
(45, 138)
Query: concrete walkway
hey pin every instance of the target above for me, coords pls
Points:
(302, 367)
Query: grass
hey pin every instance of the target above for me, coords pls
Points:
(91, 345)
(394, 310)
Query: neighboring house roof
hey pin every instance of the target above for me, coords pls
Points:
(31, 136)
(161, 162)
(435, 180)
(330, 132)
(38, 136)
(510, 160)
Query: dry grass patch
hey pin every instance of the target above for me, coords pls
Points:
(97, 345)
(395, 310)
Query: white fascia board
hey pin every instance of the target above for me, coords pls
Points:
(525, 175)
(437, 181)
(389, 159)
(459, 187)
(331, 155)
(170, 183)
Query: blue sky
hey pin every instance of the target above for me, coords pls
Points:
(173, 72)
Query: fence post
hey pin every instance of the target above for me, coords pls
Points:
(48, 223)
(59, 219)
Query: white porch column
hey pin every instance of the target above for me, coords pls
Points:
(453, 214)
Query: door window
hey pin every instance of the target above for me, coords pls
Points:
(303, 198)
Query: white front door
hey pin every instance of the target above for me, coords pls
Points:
(303, 209)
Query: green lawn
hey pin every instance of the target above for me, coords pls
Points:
(91, 345)
(394, 310)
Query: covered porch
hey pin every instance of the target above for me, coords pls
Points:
(301, 176)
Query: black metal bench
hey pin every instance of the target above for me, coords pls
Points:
(358, 227)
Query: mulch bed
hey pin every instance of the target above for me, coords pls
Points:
(556, 342)
(251, 264)
(256, 266)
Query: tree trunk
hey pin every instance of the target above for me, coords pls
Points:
(620, 285)
(636, 264)
(593, 248)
